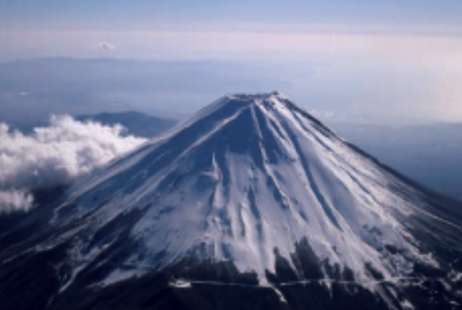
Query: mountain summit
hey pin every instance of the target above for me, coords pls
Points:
(250, 203)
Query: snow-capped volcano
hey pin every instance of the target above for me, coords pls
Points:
(256, 183)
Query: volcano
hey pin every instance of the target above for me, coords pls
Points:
(250, 204)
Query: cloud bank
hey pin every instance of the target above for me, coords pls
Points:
(54, 155)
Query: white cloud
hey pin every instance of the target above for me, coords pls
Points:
(106, 46)
(15, 200)
(322, 114)
(54, 155)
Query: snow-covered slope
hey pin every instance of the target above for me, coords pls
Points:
(254, 181)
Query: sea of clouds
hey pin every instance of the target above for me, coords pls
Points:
(54, 155)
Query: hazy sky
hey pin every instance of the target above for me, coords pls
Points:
(140, 13)
(403, 54)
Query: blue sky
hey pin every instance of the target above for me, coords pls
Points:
(145, 13)
(371, 54)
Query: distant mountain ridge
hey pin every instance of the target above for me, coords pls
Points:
(136, 123)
